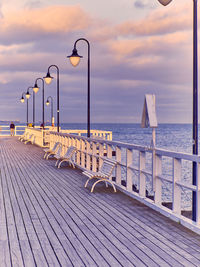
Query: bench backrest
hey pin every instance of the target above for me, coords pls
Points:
(70, 152)
(56, 146)
(58, 150)
(107, 167)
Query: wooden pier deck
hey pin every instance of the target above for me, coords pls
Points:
(48, 218)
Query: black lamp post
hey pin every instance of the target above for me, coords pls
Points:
(48, 80)
(22, 101)
(28, 96)
(195, 102)
(35, 89)
(47, 103)
(75, 59)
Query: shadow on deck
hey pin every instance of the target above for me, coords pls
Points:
(48, 218)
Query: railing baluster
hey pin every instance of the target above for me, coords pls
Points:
(109, 151)
(158, 182)
(101, 154)
(198, 195)
(83, 153)
(129, 158)
(176, 190)
(141, 175)
(118, 171)
(88, 157)
(94, 158)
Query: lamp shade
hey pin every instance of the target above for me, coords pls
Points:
(48, 78)
(164, 2)
(28, 95)
(74, 58)
(35, 88)
(22, 100)
(47, 102)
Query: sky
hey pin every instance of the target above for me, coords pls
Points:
(137, 47)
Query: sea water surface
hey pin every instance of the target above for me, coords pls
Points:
(175, 137)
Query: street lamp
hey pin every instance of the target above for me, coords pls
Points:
(47, 103)
(28, 96)
(75, 59)
(48, 80)
(35, 89)
(195, 102)
(22, 101)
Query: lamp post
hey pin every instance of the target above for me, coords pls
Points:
(47, 103)
(28, 96)
(22, 101)
(35, 89)
(48, 80)
(195, 102)
(75, 59)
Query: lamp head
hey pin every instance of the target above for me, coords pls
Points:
(22, 99)
(74, 58)
(48, 78)
(27, 95)
(47, 102)
(36, 88)
(164, 2)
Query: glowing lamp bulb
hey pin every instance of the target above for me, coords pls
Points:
(48, 78)
(74, 58)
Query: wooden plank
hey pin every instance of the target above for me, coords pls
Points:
(33, 227)
(103, 228)
(121, 255)
(4, 238)
(24, 241)
(103, 207)
(14, 245)
(47, 234)
(78, 236)
(150, 223)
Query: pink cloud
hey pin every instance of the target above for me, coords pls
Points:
(153, 45)
(52, 19)
(161, 21)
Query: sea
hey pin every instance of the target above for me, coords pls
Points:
(175, 137)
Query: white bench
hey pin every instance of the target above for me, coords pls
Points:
(67, 157)
(53, 151)
(103, 175)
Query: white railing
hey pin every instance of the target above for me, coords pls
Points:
(159, 178)
(5, 130)
(38, 135)
(94, 133)
(41, 137)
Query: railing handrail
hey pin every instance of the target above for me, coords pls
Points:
(159, 151)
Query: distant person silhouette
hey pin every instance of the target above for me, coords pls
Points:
(12, 129)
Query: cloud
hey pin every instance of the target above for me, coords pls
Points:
(33, 4)
(28, 24)
(141, 4)
(1, 14)
(159, 22)
(147, 55)
(154, 45)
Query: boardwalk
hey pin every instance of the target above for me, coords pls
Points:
(47, 218)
